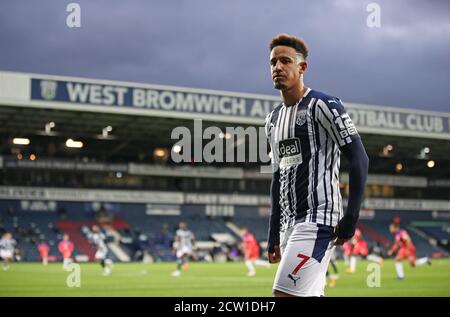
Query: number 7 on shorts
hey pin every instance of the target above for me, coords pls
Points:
(304, 258)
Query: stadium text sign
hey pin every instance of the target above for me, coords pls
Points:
(381, 119)
(190, 101)
(187, 103)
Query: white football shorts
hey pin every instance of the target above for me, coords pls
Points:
(101, 254)
(184, 251)
(6, 254)
(305, 254)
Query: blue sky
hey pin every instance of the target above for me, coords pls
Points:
(223, 44)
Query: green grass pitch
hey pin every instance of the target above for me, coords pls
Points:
(217, 279)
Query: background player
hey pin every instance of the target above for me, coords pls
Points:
(44, 249)
(7, 249)
(405, 249)
(357, 248)
(332, 277)
(98, 238)
(66, 248)
(183, 247)
(250, 249)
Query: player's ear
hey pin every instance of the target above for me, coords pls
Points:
(302, 67)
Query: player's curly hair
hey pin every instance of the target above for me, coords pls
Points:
(293, 41)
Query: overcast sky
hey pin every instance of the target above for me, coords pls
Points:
(223, 44)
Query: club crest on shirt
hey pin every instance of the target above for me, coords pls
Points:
(301, 117)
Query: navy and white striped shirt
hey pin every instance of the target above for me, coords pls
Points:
(7, 244)
(98, 238)
(305, 140)
(186, 238)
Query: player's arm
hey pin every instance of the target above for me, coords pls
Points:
(273, 246)
(393, 248)
(273, 241)
(358, 170)
(193, 241)
(175, 243)
(331, 115)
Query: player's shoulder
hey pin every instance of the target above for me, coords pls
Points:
(404, 233)
(274, 111)
(329, 100)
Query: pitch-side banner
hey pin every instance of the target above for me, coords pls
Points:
(177, 198)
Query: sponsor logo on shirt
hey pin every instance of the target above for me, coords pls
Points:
(290, 152)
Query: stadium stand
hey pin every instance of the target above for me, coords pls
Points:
(123, 177)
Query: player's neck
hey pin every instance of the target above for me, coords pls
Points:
(292, 95)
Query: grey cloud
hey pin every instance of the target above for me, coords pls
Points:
(223, 45)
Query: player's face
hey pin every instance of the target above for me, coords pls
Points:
(393, 229)
(284, 67)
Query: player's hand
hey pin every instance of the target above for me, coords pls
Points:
(339, 241)
(390, 252)
(274, 257)
(344, 231)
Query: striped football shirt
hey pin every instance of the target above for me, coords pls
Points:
(305, 141)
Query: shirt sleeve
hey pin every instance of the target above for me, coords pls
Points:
(269, 129)
(332, 116)
(274, 221)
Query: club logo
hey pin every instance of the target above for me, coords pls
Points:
(48, 89)
(301, 117)
(294, 279)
